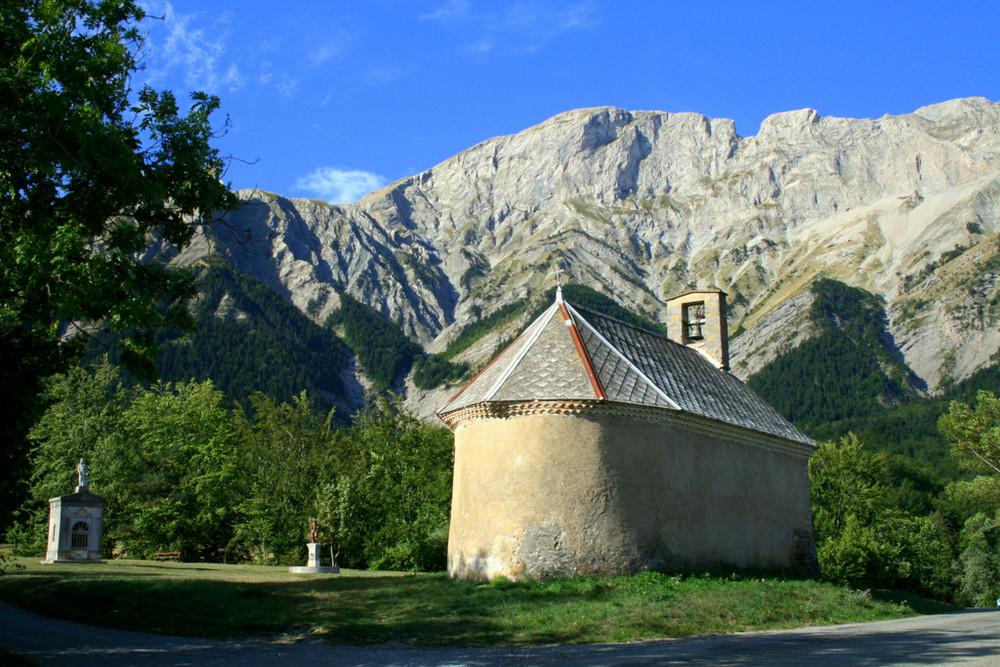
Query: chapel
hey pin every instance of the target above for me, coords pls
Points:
(594, 447)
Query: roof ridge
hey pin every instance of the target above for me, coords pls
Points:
(571, 315)
(541, 323)
(622, 322)
(621, 355)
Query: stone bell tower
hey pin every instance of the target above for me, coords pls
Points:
(697, 318)
(76, 524)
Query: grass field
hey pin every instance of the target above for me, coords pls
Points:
(212, 600)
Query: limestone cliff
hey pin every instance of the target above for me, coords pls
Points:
(644, 204)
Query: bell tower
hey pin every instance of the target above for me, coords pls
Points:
(697, 318)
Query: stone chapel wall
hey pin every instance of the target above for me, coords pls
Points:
(545, 495)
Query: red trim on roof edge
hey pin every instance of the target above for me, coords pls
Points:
(588, 365)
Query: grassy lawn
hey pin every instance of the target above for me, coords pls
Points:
(211, 600)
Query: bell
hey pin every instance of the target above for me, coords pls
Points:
(694, 331)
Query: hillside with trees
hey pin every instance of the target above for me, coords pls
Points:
(846, 379)
(845, 370)
(248, 340)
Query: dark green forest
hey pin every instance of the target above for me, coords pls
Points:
(845, 380)
(248, 339)
(844, 371)
(385, 353)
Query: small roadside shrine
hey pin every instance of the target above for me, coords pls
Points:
(76, 524)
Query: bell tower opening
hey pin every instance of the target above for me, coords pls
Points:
(697, 318)
(693, 320)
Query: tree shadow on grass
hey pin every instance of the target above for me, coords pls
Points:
(425, 609)
(421, 609)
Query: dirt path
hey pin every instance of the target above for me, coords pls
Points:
(971, 637)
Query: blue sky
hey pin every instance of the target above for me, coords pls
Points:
(332, 100)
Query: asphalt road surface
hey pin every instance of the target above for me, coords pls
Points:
(970, 637)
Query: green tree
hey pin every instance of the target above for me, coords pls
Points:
(385, 353)
(845, 480)
(83, 420)
(92, 174)
(390, 504)
(287, 452)
(860, 538)
(979, 495)
(977, 567)
(172, 473)
(180, 469)
(974, 434)
(163, 458)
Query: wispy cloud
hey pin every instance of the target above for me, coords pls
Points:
(450, 12)
(523, 27)
(334, 45)
(340, 186)
(380, 76)
(323, 53)
(186, 45)
(288, 86)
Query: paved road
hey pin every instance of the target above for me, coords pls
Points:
(971, 637)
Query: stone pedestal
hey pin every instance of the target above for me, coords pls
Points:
(313, 563)
(76, 527)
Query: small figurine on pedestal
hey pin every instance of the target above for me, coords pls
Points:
(313, 564)
(313, 544)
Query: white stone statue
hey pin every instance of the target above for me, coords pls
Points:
(82, 472)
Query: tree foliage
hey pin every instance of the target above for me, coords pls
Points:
(163, 458)
(389, 507)
(974, 433)
(285, 452)
(910, 431)
(860, 537)
(843, 372)
(184, 470)
(91, 174)
(172, 473)
(248, 340)
(434, 370)
(385, 353)
(977, 567)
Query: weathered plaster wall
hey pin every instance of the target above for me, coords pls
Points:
(554, 495)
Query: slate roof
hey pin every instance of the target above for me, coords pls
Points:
(570, 353)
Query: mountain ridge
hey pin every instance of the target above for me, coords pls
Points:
(641, 205)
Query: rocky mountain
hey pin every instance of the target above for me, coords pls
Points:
(641, 205)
